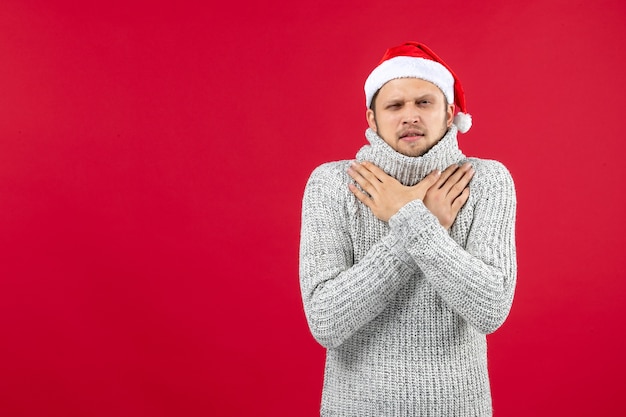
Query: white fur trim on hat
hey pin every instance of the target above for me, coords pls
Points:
(410, 67)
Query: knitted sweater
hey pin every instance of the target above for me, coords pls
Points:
(403, 307)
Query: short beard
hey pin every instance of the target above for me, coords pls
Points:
(446, 129)
(445, 124)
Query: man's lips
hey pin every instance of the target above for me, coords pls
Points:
(411, 136)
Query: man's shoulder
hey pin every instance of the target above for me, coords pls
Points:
(329, 182)
(489, 166)
(334, 171)
(488, 163)
(490, 172)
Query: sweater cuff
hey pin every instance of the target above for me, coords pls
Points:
(394, 243)
(402, 225)
(412, 221)
(416, 213)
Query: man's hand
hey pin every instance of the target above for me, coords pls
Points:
(386, 195)
(450, 193)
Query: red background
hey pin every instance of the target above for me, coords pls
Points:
(152, 162)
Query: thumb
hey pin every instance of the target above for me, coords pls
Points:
(430, 179)
(422, 187)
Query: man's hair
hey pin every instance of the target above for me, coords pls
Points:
(373, 103)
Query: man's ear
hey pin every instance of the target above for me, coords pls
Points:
(450, 115)
(371, 120)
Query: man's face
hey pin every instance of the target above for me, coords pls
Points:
(411, 115)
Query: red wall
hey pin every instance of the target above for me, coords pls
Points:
(152, 162)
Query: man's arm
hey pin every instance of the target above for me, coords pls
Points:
(478, 280)
(339, 296)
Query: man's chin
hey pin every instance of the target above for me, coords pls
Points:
(412, 152)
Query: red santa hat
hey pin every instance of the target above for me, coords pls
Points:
(416, 60)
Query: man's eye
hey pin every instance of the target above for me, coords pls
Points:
(394, 106)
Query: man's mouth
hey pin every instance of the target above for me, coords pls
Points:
(411, 135)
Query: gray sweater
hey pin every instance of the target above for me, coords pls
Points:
(403, 307)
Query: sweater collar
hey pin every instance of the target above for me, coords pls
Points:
(407, 169)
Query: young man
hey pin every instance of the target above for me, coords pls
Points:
(407, 254)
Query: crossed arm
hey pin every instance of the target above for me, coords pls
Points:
(478, 280)
(341, 296)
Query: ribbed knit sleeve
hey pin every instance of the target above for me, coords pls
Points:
(477, 281)
(341, 296)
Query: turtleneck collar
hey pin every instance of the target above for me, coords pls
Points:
(410, 170)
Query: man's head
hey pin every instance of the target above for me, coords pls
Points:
(411, 99)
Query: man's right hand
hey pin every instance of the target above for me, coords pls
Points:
(385, 195)
(450, 193)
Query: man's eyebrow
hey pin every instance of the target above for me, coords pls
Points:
(426, 95)
(402, 99)
(392, 101)
(394, 98)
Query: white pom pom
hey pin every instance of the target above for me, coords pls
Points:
(463, 122)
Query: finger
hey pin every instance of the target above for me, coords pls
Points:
(365, 173)
(363, 177)
(365, 170)
(377, 172)
(361, 196)
(446, 174)
(457, 175)
(460, 201)
(461, 184)
(431, 179)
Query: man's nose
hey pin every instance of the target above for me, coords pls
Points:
(411, 114)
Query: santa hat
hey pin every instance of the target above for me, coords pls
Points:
(416, 60)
